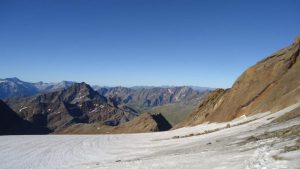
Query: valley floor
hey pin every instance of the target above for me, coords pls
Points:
(248, 142)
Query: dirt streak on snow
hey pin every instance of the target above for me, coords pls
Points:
(155, 150)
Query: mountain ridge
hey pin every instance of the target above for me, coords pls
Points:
(151, 97)
(76, 104)
(14, 87)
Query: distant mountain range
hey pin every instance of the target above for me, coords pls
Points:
(13, 87)
(181, 100)
(61, 107)
(145, 98)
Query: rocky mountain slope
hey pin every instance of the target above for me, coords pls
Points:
(174, 103)
(80, 109)
(269, 85)
(145, 98)
(76, 104)
(144, 123)
(12, 87)
(11, 123)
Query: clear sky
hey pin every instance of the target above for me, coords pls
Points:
(142, 42)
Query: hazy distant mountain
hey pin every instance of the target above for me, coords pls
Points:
(12, 87)
(50, 87)
(199, 88)
(77, 104)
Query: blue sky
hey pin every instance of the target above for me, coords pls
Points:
(142, 42)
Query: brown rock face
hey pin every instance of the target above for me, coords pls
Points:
(208, 105)
(144, 123)
(269, 85)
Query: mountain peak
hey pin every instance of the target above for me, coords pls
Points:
(82, 91)
(81, 86)
(14, 79)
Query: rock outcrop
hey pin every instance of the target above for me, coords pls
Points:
(269, 85)
(144, 123)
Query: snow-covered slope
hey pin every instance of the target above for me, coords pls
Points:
(215, 145)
